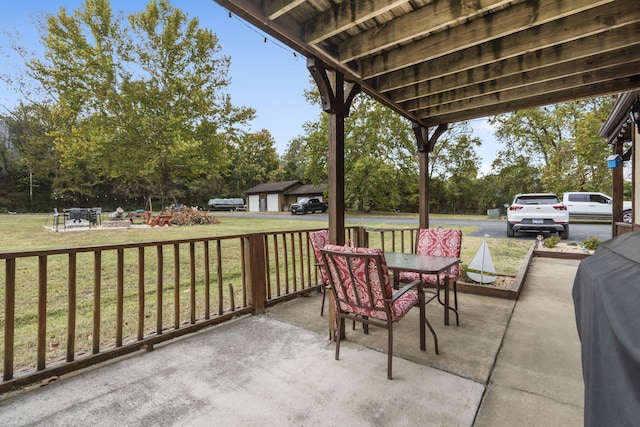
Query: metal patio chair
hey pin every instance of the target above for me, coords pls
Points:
(319, 239)
(359, 280)
(438, 242)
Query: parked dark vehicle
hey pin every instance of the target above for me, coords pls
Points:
(307, 205)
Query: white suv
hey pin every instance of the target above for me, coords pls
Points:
(538, 212)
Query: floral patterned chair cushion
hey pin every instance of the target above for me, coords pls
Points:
(363, 285)
(438, 242)
(319, 239)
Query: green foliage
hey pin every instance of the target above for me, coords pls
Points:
(142, 103)
(380, 157)
(455, 162)
(591, 243)
(513, 176)
(254, 161)
(138, 106)
(293, 161)
(28, 165)
(551, 241)
(562, 141)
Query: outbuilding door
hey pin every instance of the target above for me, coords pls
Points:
(273, 203)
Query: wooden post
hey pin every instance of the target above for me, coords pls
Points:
(336, 100)
(425, 146)
(617, 190)
(336, 166)
(635, 189)
(256, 273)
(423, 197)
(9, 317)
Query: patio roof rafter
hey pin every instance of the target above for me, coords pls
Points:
(443, 62)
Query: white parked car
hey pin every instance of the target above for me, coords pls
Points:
(592, 205)
(538, 212)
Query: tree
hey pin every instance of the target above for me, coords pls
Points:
(510, 176)
(293, 161)
(143, 104)
(31, 159)
(254, 161)
(454, 163)
(380, 154)
(563, 140)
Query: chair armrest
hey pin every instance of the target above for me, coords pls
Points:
(405, 289)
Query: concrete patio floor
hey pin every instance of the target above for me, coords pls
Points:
(508, 363)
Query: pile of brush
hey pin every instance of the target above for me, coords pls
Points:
(185, 215)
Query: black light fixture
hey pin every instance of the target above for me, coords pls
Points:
(635, 114)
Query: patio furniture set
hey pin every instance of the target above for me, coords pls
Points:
(92, 217)
(77, 217)
(363, 291)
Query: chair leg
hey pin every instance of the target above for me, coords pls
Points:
(340, 326)
(323, 289)
(455, 294)
(389, 351)
(455, 300)
(435, 337)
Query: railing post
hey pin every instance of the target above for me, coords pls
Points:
(256, 271)
(360, 237)
(9, 317)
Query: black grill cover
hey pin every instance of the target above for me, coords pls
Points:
(606, 297)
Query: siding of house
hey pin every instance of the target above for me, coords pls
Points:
(277, 196)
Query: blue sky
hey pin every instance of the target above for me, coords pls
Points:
(264, 76)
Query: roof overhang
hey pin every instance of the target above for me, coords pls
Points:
(619, 126)
(439, 62)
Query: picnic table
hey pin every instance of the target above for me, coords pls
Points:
(145, 215)
(161, 220)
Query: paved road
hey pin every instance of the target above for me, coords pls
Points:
(578, 231)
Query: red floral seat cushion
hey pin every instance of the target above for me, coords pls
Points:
(356, 299)
(438, 242)
(319, 239)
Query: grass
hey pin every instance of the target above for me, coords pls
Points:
(27, 232)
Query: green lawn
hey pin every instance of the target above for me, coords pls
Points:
(27, 232)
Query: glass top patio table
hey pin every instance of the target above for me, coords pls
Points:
(425, 264)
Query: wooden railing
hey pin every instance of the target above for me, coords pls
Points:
(391, 239)
(623, 227)
(65, 309)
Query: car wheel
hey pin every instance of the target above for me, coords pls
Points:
(564, 234)
(324, 210)
(627, 217)
(510, 232)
